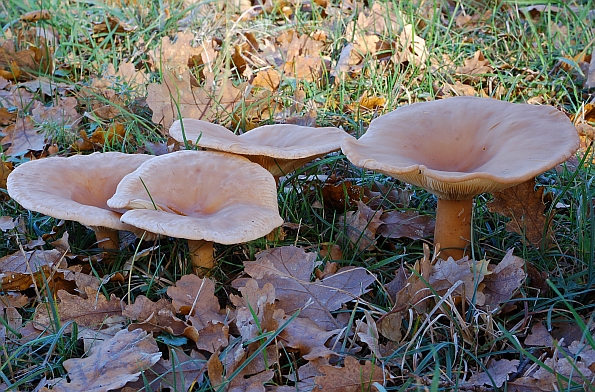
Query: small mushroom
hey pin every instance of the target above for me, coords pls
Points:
(279, 148)
(76, 188)
(202, 196)
(460, 147)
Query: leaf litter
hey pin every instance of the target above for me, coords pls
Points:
(287, 301)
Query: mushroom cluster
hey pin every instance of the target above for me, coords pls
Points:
(459, 147)
(77, 188)
(202, 196)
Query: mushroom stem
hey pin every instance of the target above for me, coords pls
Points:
(201, 256)
(107, 239)
(453, 227)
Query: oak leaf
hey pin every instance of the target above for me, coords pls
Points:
(447, 273)
(88, 312)
(525, 208)
(353, 377)
(504, 280)
(154, 316)
(178, 373)
(496, 373)
(176, 97)
(360, 226)
(23, 136)
(195, 297)
(289, 270)
(399, 224)
(62, 114)
(111, 364)
(476, 65)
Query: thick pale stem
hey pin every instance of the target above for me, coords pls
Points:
(201, 256)
(453, 228)
(108, 239)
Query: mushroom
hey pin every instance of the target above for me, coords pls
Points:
(202, 196)
(76, 188)
(279, 148)
(460, 147)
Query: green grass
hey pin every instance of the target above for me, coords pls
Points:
(528, 59)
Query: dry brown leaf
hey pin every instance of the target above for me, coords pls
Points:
(111, 364)
(88, 312)
(353, 377)
(6, 222)
(31, 261)
(178, 373)
(539, 336)
(476, 65)
(341, 196)
(446, 273)
(7, 117)
(175, 54)
(381, 19)
(213, 337)
(34, 16)
(23, 136)
(411, 48)
(399, 224)
(176, 97)
(546, 381)
(46, 86)
(195, 297)
(504, 280)
(496, 374)
(416, 289)
(289, 270)
(267, 78)
(12, 300)
(61, 114)
(154, 316)
(525, 208)
(359, 227)
(304, 335)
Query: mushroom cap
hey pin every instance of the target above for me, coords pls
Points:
(279, 148)
(75, 188)
(459, 147)
(200, 195)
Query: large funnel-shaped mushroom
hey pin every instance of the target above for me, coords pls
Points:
(460, 147)
(202, 196)
(279, 148)
(76, 188)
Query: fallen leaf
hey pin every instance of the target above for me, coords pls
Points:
(195, 297)
(496, 373)
(399, 224)
(476, 65)
(23, 136)
(176, 97)
(539, 336)
(6, 222)
(446, 273)
(504, 280)
(178, 373)
(353, 377)
(289, 270)
(111, 364)
(88, 312)
(359, 227)
(154, 316)
(525, 208)
(12, 300)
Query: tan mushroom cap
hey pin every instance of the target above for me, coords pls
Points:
(279, 148)
(459, 147)
(201, 195)
(75, 188)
